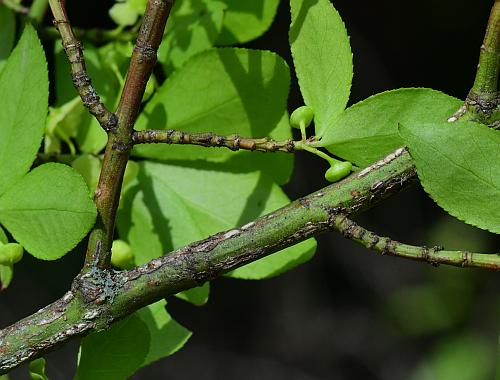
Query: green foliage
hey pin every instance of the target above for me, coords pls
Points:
(140, 339)
(89, 167)
(465, 357)
(7, 32)
(246, 20)
(23, 86)
(83, 128)
(457, 167)
(48, 211)
(190, 193)
(368, 130)
(166, 210)
(37, 369)
(193, 27)
(322, 58)
(126, 12)
(224, 91)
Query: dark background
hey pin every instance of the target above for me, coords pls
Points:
(347, 314)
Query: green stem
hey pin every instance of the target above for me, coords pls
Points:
(434, 256)
(300, 145)
(482, 102)
(486, 82)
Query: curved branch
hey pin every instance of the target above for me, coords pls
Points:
(433, 256)
(100, 297)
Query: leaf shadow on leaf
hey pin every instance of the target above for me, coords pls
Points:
(161, 224)
(243, 79)
(254, 206)
(299, 21)
(182, 32)
(157, 119)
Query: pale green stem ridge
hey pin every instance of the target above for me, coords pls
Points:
(434, 255)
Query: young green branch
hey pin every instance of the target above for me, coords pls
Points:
(482, 103)
(434, 255)
(74, 51)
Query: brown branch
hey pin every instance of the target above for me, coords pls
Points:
(82, 82)
(116, 155)
(208, 139)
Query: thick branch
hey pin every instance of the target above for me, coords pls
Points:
(99, 298)
(117, 150)
(434, 256)
(74, 51)
(208, 139)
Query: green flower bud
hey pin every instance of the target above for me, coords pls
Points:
(338, 171)
(121, 255)
(302, 117)
(11, 253)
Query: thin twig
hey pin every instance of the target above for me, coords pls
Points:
(434, 256)
(208, 139)
(74, 51)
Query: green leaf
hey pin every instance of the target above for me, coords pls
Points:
(197, 296)
(140, 339)
(459, 166)
(166, 335)
(465, 357)
(37, 369)
(368, 130)
(193, 27)
(62, 125)
(246, 20)
(123, 14)
(322, 58)
(7, 33)
(24, 90)
(225, 91)
(89, 167)
(168, 211)
(48, 211)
